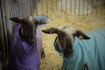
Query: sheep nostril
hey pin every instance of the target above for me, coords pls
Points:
(30, 42)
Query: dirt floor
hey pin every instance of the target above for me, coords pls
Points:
(53, 61)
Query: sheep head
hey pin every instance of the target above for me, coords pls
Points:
(65, 38)
(28, 27)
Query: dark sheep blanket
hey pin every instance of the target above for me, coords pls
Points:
(86, 52)
(22, 55)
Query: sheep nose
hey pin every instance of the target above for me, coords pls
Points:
(30, 42)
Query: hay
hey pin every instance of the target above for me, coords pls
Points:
(53, 61)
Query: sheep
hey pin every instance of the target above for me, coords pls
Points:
(26, 43)
(79, 50)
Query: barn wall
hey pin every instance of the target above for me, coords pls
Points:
(72, 7)
(81, 7)
(9, 8)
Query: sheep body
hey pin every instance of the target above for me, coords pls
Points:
(22, 54)
(89, 52)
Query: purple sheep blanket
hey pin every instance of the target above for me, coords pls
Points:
(22, 55)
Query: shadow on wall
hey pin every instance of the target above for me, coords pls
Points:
(0, 65)
(0, 53)
(0, 39)
(76, 7)
(95, 3)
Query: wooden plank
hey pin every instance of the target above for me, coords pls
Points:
(8, 9)
(2, 31)
(0, 66)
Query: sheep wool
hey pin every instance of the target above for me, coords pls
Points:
(88, 54)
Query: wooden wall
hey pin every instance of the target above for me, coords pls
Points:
(11, 8)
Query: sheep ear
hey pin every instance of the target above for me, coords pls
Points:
(16, 19)
(51, 31)
(81, 35)
(42, 22)
(39, 21)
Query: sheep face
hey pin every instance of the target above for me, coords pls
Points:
(65, 41)
(28, 28)
(65, 38)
